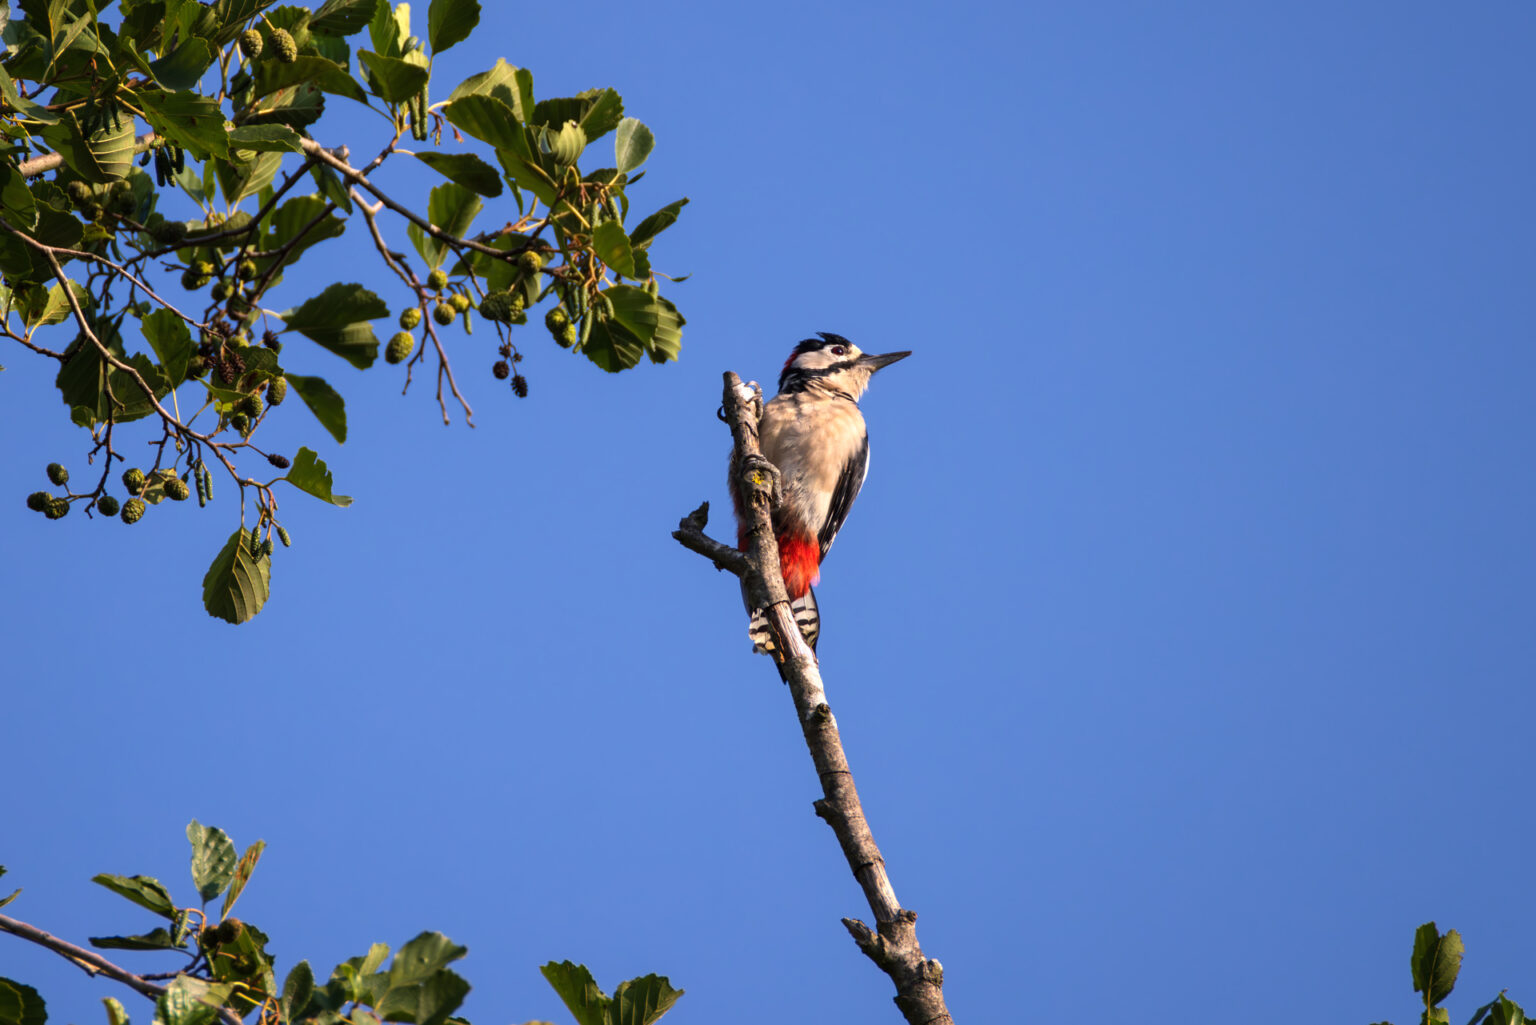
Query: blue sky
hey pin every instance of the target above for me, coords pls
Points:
(1181, 638)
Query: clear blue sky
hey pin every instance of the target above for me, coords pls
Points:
(1181, 639)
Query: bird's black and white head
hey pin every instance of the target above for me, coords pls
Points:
(834, 365)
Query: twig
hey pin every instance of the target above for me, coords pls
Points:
(48, 161)
(94, 964)
(892, 944)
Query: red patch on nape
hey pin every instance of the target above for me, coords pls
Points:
(800, 558)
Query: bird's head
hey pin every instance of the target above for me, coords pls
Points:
(834, 364)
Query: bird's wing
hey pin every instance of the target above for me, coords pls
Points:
(847, 489)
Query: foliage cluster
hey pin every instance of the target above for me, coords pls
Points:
(228, 975)
(156, 281)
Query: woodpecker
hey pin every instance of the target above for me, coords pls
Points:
(813, 432)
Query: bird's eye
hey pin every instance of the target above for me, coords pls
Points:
(839, 350)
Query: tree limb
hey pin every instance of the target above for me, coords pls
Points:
(93, 963)
(892, 945)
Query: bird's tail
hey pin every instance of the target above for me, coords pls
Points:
(807, 618)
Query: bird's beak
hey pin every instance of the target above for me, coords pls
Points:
(874, 362)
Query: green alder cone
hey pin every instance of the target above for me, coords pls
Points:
(399, 348)
(57, 508)
(410, 317)
(79, 193)
(530, 261)
(497, 307)
(38, 501)
(460, 301)
(177, 489)
(248, 270)
(283, 45)
(133, 480)
(133, 509)
(437, 280)
(250, 44)
(57, 474)
(219, 292)
(251, 406)
(241, 423)
(170, 233)
(106, 505)
(277, 391)
(443, 313)
(282, 534)
(266, 548)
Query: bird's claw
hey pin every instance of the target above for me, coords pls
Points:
(754, 465)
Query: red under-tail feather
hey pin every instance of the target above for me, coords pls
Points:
(799, 558)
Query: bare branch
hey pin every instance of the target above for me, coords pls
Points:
(892, 944)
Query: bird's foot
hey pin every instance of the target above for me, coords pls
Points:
(756, 469)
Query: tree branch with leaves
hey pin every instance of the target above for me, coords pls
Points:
(164, 276)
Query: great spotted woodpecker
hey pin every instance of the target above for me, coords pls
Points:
(813, 432)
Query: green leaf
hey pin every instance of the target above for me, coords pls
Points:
(168, 335)
(336, 320)
(377, 952)
(632, 145)
(577, 991)
(20, 1004)
(651, 320)
(183, 67)
(142, 890)
(450, 22)
(190, 1001)
(323, 401)
(343, 17)
(235, 588)
(393, 79)
(612, 245)
(297, 990)
(28, 109)
(1436, 962)
(655, 224)
(605, 110)
(272, 75)
(266, 137)
(252, 853)
(246, 174)
(452, 208)
(487, 119)
(157, 939)
(295, 216)
(246, 965)
(100, 156)
(52, 306)
(16, 892)
(196, 123)
(213, 855)
(425, 1003)
(464, 169)
(421, 957)
(116, 1013)
(641, 1001)
(20, 207)
(1505, 1011)
(511, 85)
(308, 473)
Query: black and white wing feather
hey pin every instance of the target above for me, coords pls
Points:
(848, 484)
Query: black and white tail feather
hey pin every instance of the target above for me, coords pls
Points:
(807, 618)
